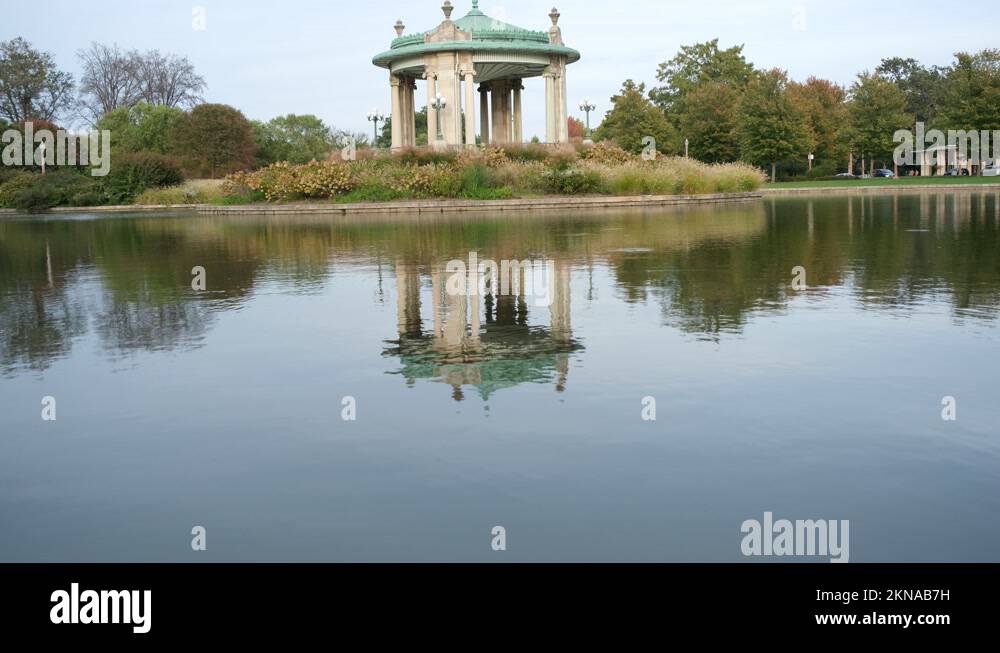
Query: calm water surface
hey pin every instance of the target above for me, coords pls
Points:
(223, 408)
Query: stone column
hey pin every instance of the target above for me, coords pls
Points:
(405, 107)
(518, 118)
(411, 115)
(563, 104)
(470, 109)
(498, 90)
(484, 113)
(550, 108)
(432, 124)
(397, 113)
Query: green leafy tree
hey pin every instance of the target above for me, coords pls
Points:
(292, 138)
(142, 128)
(385, 138)
(771, 128)
(30, 84)
(215, 139)
(633, 118)
(709, 120)
(924, 87)
(971, 98)
(877, 109)
(824, 105)
(695, 65)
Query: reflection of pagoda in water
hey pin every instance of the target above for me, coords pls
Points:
(484, 341)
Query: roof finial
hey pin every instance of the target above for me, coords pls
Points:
(554, 15)
(475, 4)
(447, 9)
(399, 27)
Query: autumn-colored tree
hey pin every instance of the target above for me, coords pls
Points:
(771, 128)
(824, 105)
(576, 128)
(215, 139)
(633, 119)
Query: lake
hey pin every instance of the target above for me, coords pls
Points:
(224, 408)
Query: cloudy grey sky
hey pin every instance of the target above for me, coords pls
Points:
(272, 57)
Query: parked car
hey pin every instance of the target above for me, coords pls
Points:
(846, 175)
(956, 172)
(885, 174)
(991, 169)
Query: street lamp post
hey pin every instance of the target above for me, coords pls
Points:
(438, 104)
(375, 117)
(587, 106)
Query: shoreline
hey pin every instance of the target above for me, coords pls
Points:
(888, 189)
(416, 206)
(532, 204)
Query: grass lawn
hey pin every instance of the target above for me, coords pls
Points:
(900, 181)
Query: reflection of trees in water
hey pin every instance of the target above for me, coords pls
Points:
(37, 326)
(710, 268)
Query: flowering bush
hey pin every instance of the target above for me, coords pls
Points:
(608, 153)
(491, 172)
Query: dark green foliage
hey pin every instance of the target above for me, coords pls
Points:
(133, 173)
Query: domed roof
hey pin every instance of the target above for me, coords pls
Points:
(488, 35)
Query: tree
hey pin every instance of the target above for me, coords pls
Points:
(971, 97)
(876, 111)
(292, 138)
(169, 80)
(215, 139)
(142, 128)
(695, 65)
(708, 120)
(385, 138)
(824, 105)
(924, 87)
(30, 84)
(633, 118)
(110, 80)
(771, 128)
(576, 128)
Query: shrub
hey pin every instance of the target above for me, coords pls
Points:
(191, 192)
(58, 188)
(524, 176)
(323, 180)
(426, 156)
(14, 184)
(537, 153)
(574, 181)
(133, 173)
(372, 193)
(608, 153)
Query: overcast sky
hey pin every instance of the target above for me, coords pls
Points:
(270, 57)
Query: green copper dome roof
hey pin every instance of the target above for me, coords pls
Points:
(488, 35)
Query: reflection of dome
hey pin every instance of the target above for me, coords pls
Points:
(494, 350)
(506, 356)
